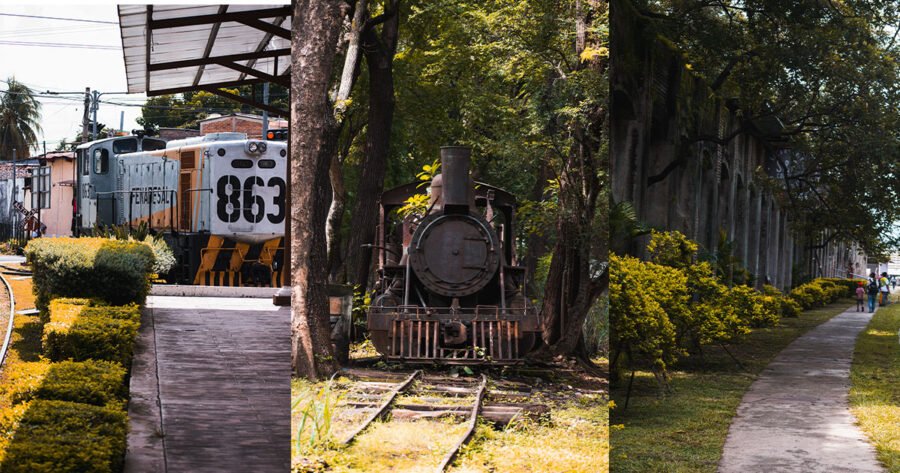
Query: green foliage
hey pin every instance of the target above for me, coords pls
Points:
(20, 120)
(641, 298)
(163, 256)
(316, 412)
(818, 293)
(661, 309)
(671, 249)
(100, 383)
(828, 72)
(114, 271)
(67, 437)
(98, 333)
(596, 328)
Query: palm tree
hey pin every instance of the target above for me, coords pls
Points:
(20, 115)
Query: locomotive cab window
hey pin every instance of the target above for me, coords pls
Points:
(101, 161)
(150, 144)
(85, 159)
(125, 146)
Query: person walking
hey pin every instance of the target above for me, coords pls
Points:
(872, 290)
(860, 296)
(885, 289)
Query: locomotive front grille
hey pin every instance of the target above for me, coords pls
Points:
(487, 340)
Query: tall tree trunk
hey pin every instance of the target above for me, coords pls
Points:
(336, 173)
(379, 53)
(571, 287)
(315, 26)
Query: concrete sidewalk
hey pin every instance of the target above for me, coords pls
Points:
(796, 417)
(210, 387)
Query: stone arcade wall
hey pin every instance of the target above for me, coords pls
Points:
(678, 157)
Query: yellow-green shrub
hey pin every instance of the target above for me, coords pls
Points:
(753, 308)
(640, 295)
(92, 333)
(115, 271)
(790, 307)
(65, 308)
(123, 312)
(66, 437)
(91, 382)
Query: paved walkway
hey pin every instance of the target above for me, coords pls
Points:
(795, 417)
(210, 387)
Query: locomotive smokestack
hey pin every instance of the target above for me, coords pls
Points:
(456, 190)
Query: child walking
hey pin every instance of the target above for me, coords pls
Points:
(860, 297)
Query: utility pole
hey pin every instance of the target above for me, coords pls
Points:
(13, 199)
(41, 182)
(94, 106)
(85, 119)
(265, 119)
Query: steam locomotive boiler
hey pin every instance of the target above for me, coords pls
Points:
(448, 287)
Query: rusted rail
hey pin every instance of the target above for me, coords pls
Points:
(382, 409)
(473, 420)
(12, 315)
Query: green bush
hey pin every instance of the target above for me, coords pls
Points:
(67, 437)
(820, 292)
(790, 307)
(640, 294)
(125, 312)
(91, 382)
(91, 334)
(64, 307)
(753, 308)
(115, 271)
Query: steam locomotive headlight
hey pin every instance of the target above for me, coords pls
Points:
(262, 147)
(252, 147)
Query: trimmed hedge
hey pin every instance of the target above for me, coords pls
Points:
(101, 383)
(820, 292)
(64, 308)
(67, 437)
(117, 272)
(98, 333)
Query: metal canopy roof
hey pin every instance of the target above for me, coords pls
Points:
(171, 49)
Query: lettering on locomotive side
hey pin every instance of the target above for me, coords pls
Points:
(150, 194)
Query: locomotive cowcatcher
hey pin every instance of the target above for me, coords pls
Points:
(448, 286)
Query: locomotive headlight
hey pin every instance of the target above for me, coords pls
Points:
(262, 147)
(252, 147)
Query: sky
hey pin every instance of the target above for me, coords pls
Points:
(64, 68)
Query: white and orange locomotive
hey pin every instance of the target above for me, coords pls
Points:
(219, 201)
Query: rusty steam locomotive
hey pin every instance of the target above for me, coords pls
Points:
(448, 286)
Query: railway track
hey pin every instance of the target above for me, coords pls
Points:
(418, 395)
(9, 326)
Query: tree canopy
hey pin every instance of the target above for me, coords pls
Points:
(828, 72)
(20, 115)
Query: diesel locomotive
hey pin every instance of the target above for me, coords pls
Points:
(448, 287)
(218, 200)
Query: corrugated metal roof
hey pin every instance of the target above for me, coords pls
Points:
(192, 47)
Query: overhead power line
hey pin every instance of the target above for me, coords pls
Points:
(61, 19)
(59, 45)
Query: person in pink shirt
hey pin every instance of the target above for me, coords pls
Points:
(860, 296)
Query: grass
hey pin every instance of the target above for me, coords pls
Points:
(875, 384)
(573, 439)
(685, 431)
